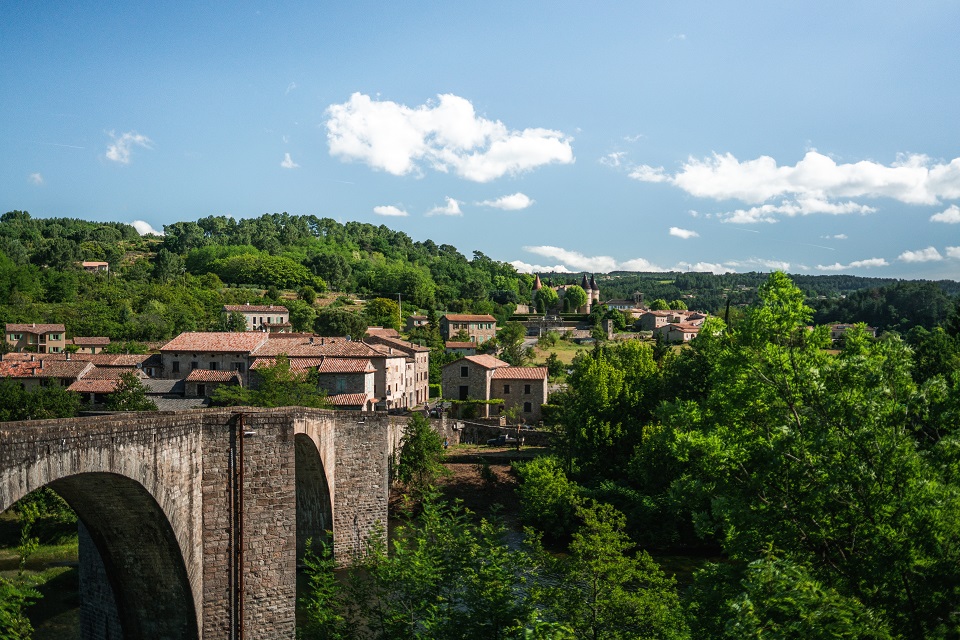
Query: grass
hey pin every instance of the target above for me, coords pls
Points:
(564, 349)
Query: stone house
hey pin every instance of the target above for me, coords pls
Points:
(36, 338)
(521, 387)
(91, 344)
(480, 328)
(201, 383)
(95, 266)
(261, 317)
(461, 348)
(485, 378)
(678, 331)
(35, 371)
(215, 351)
(417, 381)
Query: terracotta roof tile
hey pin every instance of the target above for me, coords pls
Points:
(208, 375)
(397, 343)
(465, 317)
(460, 345)
(302, 347)
(91, 340)
(112, 373)
(255, 308)
(521, 373)
(94, 386)
(484, 360)
(36, 328)
(348, 399)
(216, 342)
(44, 369)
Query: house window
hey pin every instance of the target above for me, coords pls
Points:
(238, 366)
(17, 336)
(527, 407)
(526, 389)
(464, 392)
(201, 390)
(176, 366)
(506, 388)
(213, 366)
(464, 372)
(194, 365)
(341, 384)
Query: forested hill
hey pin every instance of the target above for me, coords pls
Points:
(159, 286)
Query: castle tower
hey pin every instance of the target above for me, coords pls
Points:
(594, 290)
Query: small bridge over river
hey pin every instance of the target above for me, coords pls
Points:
(192, 522)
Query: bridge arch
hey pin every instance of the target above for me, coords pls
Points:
(140, 555)
(314, 506)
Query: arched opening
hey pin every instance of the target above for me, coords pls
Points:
(314, 507)
(133, 581)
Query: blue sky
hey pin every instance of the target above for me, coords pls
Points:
(816, 137)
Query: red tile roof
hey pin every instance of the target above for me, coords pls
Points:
(463, 317)
(112, 373)
(484, 360)
(348, 399)
(322, 364)
(460, 345)
(94, 386)
(216, 342)
(36, 328)
(112, 359)
(382, 331)
(44, 368)
(521, 373)
(91, 340)
(397, 343)
(302, 347)
(208, 375)
(254, 308)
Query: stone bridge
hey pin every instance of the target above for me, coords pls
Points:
(192, 523)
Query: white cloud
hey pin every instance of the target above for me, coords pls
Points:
(710, 267)
(36, 179)
(754, 263)
(813, 185)
(683, 233)
(389, 210)
(930, 254)
(119, 150)
(144, 228)
(838, 236)
(856, 264)
(451, 208)
(288, 162)
(290, 87)
(514, 202)
(646, 173)
(446, 135)
(576, 260)
(951, 215)
(524, 267)
(953, 252)
(614, 159)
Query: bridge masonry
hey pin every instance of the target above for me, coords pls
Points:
(193, 518)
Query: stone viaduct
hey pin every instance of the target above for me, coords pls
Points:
(192, 523)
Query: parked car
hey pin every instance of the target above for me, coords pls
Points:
(502, 440)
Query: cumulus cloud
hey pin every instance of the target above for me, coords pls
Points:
(525, 267)
(288, 162)
(683, 233)
(856, 264)
(514, 202)
(951, 215)
(451, 208)
(759, 263)
(710, 267)
(838, 236)
(953, 252)
(144, 228)
(930, 254)
(816, 184)
(390, 210)
(119, 150)
(36, 178)
(446, 135)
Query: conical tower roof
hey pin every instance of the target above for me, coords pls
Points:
(593, 284)
(537, 285)
(583, 283)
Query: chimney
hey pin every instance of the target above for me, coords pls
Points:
(68, 355)
(311, 340)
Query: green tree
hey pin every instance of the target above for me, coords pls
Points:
(547, 498)
(130, 395)
(575, 297)
(383, 312)
(421, 450)
(555, 367)
(339, 322)
(659, 305)
(44, 403)
(600, 591)
(275, 386)
(546, 299)
(510, 342)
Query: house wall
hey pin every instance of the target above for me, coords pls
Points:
(351, 383)
(477, 382)
(220, 361)
(517, 396)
